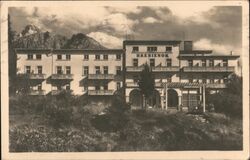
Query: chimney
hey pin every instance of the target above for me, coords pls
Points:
(188, 45)
(231, 52)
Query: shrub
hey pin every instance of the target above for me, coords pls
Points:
(229, 101)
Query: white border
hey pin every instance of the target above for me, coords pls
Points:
(123, 155)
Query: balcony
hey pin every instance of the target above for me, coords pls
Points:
(35, 76)
(62, 76)
(165, 69)
(57, 92)
(216, 85)
(101, 76)
(134, 68)
(100, 92)
(208, 69)
(37, 92)
(135, 84)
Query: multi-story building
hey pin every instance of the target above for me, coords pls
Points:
(91, 72)
(179, 74)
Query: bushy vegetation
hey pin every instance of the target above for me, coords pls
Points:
(63, 124)
(229, 101)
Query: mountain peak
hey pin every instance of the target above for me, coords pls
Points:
(30, 29)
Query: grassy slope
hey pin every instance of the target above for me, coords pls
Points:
(144, 131)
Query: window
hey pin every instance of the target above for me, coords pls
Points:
(152, 49)
(105, 57)
(169, 79)
(135, 49)
(225, 79)
(225, 62)
(85, 70)
(190, 80)
(204, 79)
(168, 49)
(203, 63)
(118, 70)
(190, 63)
(59, 87)
(97, 57)
(39, 56)
(30, 56)
(152, 62)
(118, 85)
(39, 69)
(105, 87)
(97, 88)
(118, 56)
(169, 62)
(97, 70)
(68, 86)
(59, 70)
(211, 80)
(28, 68)
(135, 78)
(39, 87)
(86, 57)
(211, 63)
(59, 56)
(68, 56)
(135, 62)
(68, 70)
(105, 69)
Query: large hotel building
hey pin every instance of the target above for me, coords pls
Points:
(179, 73)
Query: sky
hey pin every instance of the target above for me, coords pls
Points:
(209, 27)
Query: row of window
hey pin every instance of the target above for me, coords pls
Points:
(151, 49)
(67, 87)
(152, 62)
(59, 70)
(210, 63)
(204, 80)
(68, 57)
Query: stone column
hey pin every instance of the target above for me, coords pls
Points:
(179, 102)
(166, 97)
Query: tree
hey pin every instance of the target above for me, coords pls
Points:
(146, 83)
(12, 58)
(229, 101)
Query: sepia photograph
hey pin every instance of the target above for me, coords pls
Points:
(125, 77)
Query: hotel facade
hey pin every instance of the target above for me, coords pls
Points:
(180, 74)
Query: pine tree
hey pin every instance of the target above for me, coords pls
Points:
(146, 83)
(12, 58)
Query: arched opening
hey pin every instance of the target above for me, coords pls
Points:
(172, 98)
(135, 98)
(155, 100)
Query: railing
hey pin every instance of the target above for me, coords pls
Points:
(37, 92)
(134, 68)
(208, 69)
(35, 75)
(56, 92)
(101, 76)
(62, 76)
(154, 69)
(216, 85)
(100, 92)
(165, 69)
(135, 84)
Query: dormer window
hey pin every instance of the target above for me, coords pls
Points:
(152, 49)
(135, 49)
